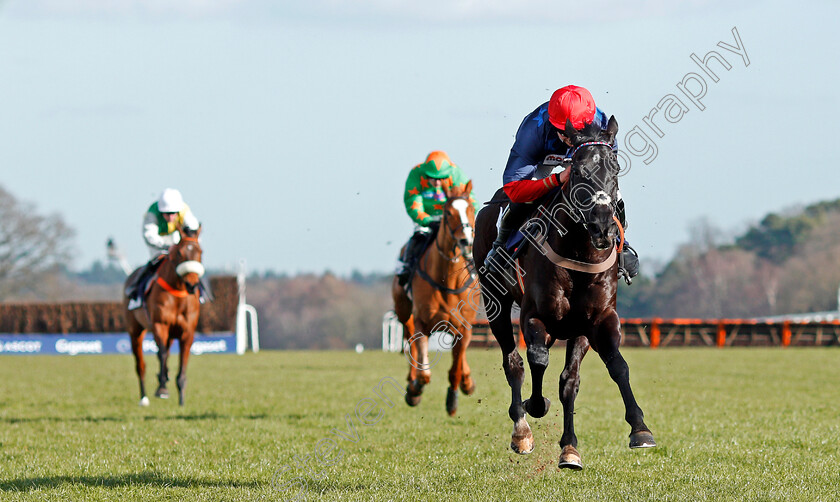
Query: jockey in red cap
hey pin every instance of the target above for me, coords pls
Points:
(541, 145)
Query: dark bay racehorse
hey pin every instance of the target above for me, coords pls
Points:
(565, 281)
(444, 291)
(170, 312)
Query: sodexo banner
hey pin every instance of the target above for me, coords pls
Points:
(105, 343)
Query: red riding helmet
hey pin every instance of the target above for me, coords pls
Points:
(573, 103)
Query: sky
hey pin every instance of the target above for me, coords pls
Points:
(290, 127)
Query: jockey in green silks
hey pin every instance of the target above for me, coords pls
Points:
(424, 198)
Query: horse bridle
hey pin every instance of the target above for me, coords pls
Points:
(188, 266)
(576, 172)
(457, 245)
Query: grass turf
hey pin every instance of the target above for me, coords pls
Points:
(731, 424)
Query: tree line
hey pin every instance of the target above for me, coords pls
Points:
(787, 263)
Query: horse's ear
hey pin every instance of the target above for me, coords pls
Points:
(468, 188)
(572, 133)
(188, 232)
(612, 130)
(447, 188)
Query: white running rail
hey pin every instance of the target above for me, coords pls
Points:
(246, 317)
(392, 333)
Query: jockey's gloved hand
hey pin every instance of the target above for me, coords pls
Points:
(563, 177)
(191, 222)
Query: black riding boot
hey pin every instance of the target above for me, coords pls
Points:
(409, 257)
(512, 219)
(134, 286)
(134, 291)
(628, 261)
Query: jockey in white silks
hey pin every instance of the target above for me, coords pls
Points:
(161, 225)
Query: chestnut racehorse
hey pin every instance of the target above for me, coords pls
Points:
(170, 312)
(443, 288)
(565, 282)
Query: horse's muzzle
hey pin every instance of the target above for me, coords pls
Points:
(602, 243)
(466, 248)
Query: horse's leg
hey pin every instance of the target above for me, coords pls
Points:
(569, 385)
(185, 344)
(459, 371)
(402, 308)
(139, 362)
(467, 382)
(161, 332)
(419, 352)
(413, 353)
(610, 335)
(522, 440)
(537, 340)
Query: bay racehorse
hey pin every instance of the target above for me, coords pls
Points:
(170, 312)
(565, 280)
(443, 297)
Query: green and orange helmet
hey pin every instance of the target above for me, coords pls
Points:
(437, 165)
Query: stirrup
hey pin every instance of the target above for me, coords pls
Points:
(622, 269)
(622, 273)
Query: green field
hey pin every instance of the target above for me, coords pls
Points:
(732, 424)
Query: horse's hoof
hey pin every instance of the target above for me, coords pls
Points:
(451, 401)
(642, 439)
(412, 400)
(144, 401)
(534, 412)
(414, 388)
(522, 446)
(570, 459)
(522, 440)
(468, 389)
(162, 393)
